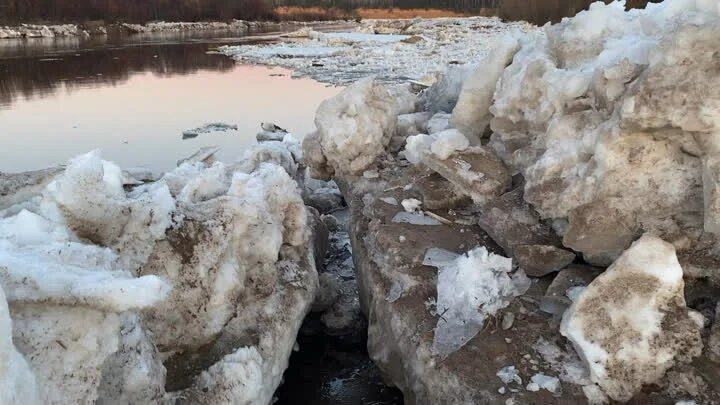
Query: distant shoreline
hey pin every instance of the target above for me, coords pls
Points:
(29, 31)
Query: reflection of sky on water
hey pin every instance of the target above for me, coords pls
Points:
(134, 102)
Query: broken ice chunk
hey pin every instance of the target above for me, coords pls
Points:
(574, 292)
(414, 219)
(556, 299)
(411, 204)
(475, 170)
(396, 290)
(437, 257)
(468, 290)
(509, 374)
(207, 128)
(205, 155)
(541, 381)
(631, 323)
(448, 142)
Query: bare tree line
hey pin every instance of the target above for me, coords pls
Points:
(14, 11)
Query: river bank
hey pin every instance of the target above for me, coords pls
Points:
(84, 30)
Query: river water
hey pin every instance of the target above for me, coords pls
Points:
(133, 96)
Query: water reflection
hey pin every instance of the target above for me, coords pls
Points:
(134, 100)
(44, 74)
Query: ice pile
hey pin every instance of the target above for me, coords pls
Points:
(41, 31)
(573, 141)
(617, 122)
(393, 50)
(107, 286)
(164, 26)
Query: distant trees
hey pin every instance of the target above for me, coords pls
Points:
(14, 11)
(542, 11)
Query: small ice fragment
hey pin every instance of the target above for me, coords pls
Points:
(508, 320)
(574, 292)
(509, 374)
(396, 291)
(411, 204)
(521, 281)
(546, 382)
(414, 219)
(437, 257)
(389, 200)
(371, 174)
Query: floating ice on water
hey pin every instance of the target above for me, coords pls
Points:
(207, 128)
(343, 58)
(361, 37)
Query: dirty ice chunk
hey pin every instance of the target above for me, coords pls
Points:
(17, 381)
(447, 142)
(631, 323)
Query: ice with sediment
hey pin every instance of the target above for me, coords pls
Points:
(631, 325)
(612, 114)
(469, 289)
(65, 288)
(17, 381)
(81, 261)
(343, 58)
(355, 126)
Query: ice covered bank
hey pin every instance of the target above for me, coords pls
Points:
(587, 144)
(188, 289)
(393, 50)
(42, 31)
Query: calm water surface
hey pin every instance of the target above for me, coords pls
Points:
(132, 97)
